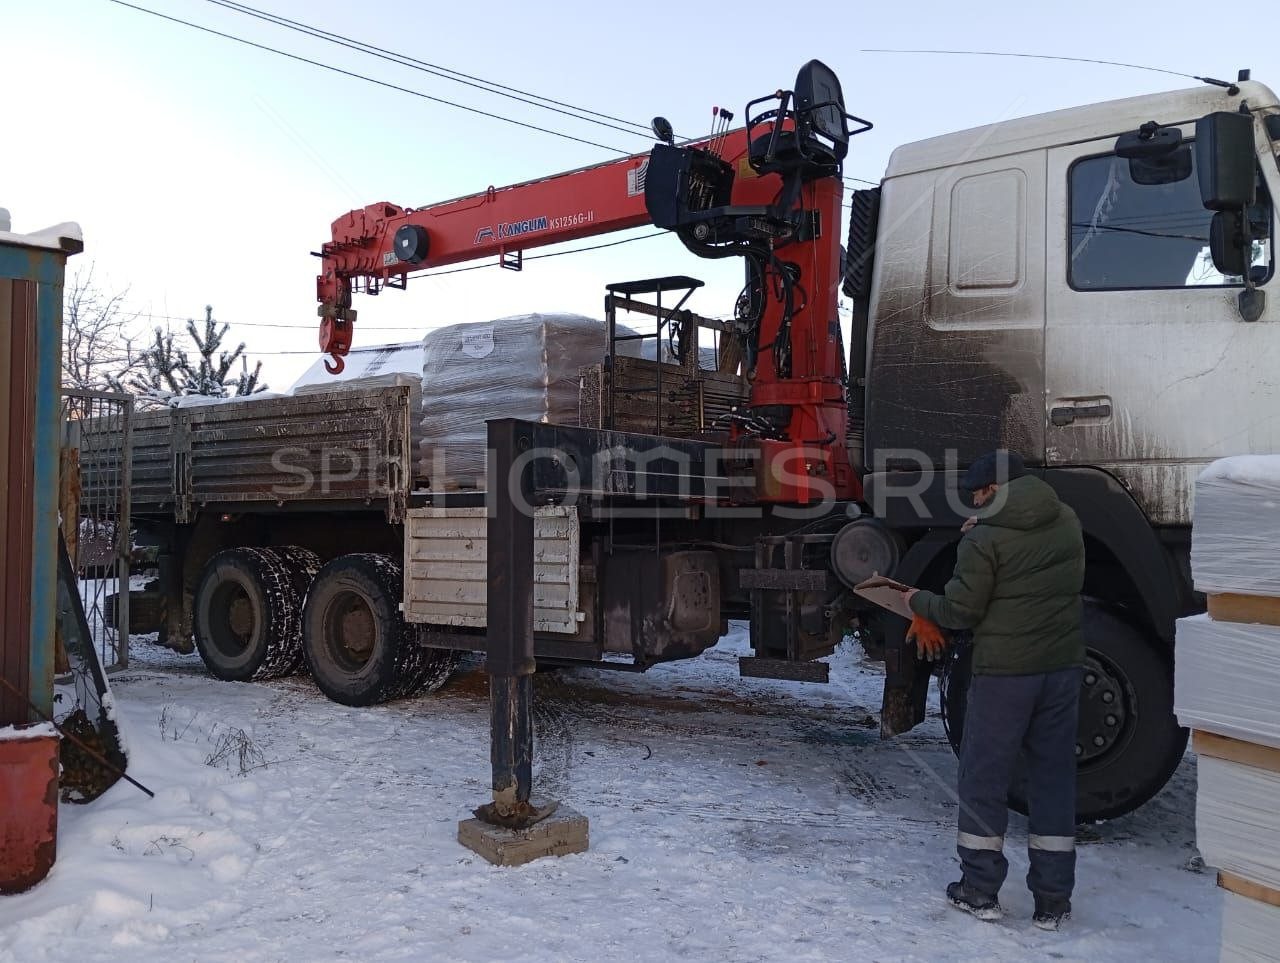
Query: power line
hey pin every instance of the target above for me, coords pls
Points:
(404, 61)
(315, 353)
(367, 79)
(1036, 56)
(447, 73)
(262, 324)
(430, 274)
(538, 257)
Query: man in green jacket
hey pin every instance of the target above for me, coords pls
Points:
(1018, 576)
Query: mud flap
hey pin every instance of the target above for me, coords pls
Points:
(906, 681)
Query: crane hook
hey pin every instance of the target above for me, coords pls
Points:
(335, 366)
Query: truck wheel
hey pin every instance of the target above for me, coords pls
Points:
(1129, 740)
(248, 615)
(355, 643)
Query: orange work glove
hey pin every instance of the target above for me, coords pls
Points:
(928, 636)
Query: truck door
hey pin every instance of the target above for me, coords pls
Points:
(1150, 371)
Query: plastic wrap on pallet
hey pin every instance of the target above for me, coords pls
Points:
(1227, 677)
(1237, 822)
(519, 367)
(1236, 526)
(1250, 930)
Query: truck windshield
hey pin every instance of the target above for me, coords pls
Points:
(1127, 235)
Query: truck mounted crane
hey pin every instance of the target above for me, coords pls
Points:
(769, 192)
(1001, 298)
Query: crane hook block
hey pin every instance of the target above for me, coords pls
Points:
(335, 366)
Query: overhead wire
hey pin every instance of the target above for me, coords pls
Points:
(428, 274)
(404, 60)
(1040, 56)
(425, 66)
(436, 70)
(447, 73)
(260, 324)
(372, 80)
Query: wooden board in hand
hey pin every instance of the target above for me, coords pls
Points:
(886, 593)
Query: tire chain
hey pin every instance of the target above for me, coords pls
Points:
(418, 669)
(300, 566)
(283, 611)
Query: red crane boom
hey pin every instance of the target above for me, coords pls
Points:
(501, 221)
(770, 193)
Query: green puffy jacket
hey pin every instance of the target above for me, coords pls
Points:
(1017, 585)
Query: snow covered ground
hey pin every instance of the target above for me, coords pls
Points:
(731, 819)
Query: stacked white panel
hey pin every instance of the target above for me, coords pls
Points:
(1227, 679)
(1249, 929)
(1238, 821)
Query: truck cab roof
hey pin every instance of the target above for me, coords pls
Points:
(1074, 125)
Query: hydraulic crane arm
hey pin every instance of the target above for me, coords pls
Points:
(382, 244)
(769, 193)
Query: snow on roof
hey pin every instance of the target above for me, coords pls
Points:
(60, 237)
(40, 730)
(367, 362)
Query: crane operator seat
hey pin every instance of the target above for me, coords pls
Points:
(817, 138)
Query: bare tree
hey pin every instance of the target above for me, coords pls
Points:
(97, 338)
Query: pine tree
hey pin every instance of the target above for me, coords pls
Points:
(209, 377)
(165, 368)
(169, 371)
(247, 382)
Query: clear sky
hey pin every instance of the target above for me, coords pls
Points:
(204, 172)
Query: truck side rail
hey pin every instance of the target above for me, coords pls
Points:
(347, 447)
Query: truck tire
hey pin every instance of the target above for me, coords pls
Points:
(247, 617)
(1130, 742)
(303, 565)
(357, 647)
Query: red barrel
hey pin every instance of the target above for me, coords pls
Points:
(28, 806)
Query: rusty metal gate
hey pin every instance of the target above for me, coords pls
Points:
(94, 502)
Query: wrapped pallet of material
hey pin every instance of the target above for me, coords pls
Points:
(519, 367)
(1227, 688)
(1236, 527)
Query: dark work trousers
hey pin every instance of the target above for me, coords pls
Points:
(1007, 715)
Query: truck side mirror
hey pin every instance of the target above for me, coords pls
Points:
(1226, 243)
(1227, 168)
(1226, 161)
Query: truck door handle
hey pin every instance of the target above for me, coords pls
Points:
(1067, 414)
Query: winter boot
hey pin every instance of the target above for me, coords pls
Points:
(1051, 912)
(981, 905)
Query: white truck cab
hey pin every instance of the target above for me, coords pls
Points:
(1073, 286)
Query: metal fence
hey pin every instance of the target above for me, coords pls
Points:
(95, 478)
